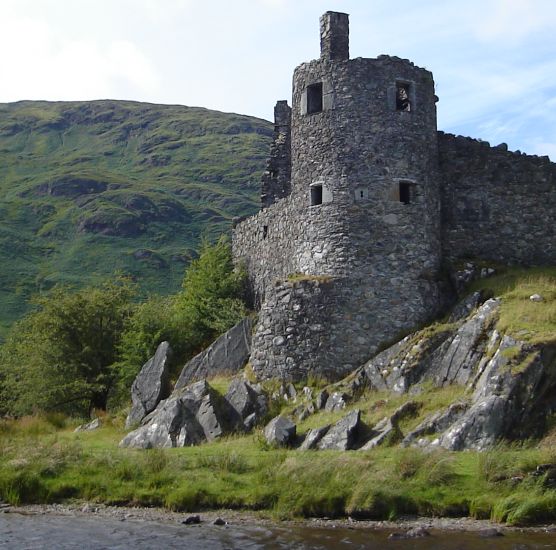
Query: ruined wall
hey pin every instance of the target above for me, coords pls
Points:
(276, 180)
(496, 204)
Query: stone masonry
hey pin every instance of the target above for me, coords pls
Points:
(364, 202)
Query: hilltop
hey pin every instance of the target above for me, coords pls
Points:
(88, 188)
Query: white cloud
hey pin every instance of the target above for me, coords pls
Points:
(39, 63)
(513, 20)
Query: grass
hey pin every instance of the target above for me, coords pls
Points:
(45, 461)
(529, 321)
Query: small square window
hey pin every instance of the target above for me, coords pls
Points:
(316, 195)
(403, 102)
(314, 98)
(405, 192)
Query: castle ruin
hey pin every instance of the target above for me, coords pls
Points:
(365, 206)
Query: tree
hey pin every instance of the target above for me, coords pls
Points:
(61, 356)
(210, 302)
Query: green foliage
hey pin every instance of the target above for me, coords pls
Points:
(60, 357)
(87, 188)
(210, 303)
(212, 297)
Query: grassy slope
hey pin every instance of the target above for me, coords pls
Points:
(48, 464)
(87, 188)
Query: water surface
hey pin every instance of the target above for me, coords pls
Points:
(55, 532)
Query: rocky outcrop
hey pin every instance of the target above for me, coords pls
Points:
(188, 417)
(248, 403)
(342, 435)
(151, 385)
(226, 355)
(280, 431)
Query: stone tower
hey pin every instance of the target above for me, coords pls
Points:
(345, 254)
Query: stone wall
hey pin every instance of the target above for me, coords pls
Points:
(496, 204)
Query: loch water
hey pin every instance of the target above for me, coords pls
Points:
(54, 532)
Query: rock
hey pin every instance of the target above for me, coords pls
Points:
(280, 431)
(463, 308)
(226, 355)
(343, 434)
(151, 385)
(192, 520)
(92, 425)
(490, 532)
(189, 416)
(458, 358)
(290, 392)
(382, 432)
(219, 521)
(321, 399)
(247, 401)
(313, 437)
(536, 298)
(435, 423)
(336, 402)
(414, 533)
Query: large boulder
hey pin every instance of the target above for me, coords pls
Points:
(151, 385)
(248, 403)
(280, 431)
(342, 435)
(189, 416)
(226, 355)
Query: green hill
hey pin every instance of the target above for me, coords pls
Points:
(87, 188)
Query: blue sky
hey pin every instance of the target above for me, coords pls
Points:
(494, 61)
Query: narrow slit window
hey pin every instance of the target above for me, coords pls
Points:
(314, 98)
(403, 102)
(316, 195)
(265, 231)
(405, 192)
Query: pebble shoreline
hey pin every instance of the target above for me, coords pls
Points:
(234, 517)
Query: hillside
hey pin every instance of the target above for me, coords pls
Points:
(88, 188)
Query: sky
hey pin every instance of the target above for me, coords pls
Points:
(494, 61)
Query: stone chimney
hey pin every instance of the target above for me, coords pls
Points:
(334, 36)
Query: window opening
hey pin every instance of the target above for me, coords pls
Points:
(316, 195)
(402, 97)
(361, 194)
(265, 231)
(405, 194)
(314, 98)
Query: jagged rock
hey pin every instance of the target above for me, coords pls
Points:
(247, 401)
(313, 437)
(280, 431)
(435, 423)
(304, 411)
(456, 360)
(192, 520)
(188, 417)
(466, 306)
(381, 433)
(343, 434)
(151, 385)
(289, 392)
(92, 425)
(320, 401)
(226, 355)
(536, 298)
(388, 428)
(336, 402)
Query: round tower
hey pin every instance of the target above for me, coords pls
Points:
(365, 169)
(361, 225)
